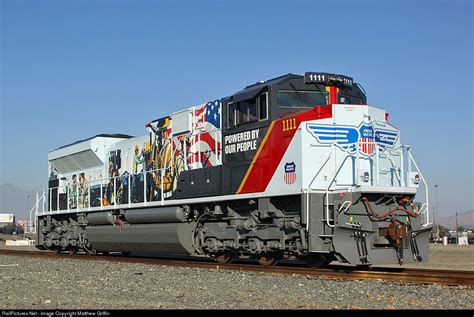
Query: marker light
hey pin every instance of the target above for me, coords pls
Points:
(416, 179)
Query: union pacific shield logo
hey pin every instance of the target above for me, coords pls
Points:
(351, 139)
(290, 173)
(366, 140)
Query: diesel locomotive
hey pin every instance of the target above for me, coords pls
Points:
(298, 167)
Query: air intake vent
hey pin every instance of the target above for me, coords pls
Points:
(76, 162)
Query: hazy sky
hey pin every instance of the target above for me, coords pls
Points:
(74, 69)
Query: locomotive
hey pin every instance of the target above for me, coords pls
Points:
(298, 167)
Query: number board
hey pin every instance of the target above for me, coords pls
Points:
(327, 78)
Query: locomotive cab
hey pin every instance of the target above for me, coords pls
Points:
(249, 113)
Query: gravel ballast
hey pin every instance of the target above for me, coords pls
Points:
(39, 283)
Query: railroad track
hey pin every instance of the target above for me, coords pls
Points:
(406, 275)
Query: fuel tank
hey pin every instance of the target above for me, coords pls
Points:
(149, 237)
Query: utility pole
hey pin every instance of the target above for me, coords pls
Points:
(25, 229)
(457, 239)
(436, 214)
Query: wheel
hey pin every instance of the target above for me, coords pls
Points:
(72, 251)
(224, 258)
(105, 253)
(318, 260)
(267, 259)
(57, 250)
(92, 252)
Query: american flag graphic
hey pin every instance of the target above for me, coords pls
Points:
(366, 140)
(290, 173)
(205, 142)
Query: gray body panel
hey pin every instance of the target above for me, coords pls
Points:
(158, 237)
(156, 215)
(350, 249)
(355, 236)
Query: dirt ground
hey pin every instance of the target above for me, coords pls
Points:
(451, 256)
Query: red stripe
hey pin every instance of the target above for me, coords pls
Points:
(200, 110)
(332, 95)
(275, 147)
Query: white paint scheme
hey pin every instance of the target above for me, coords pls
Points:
(98, 145)
(127, 148)
(101, 148)
(97, 149)
(182, 121)
(317, 163)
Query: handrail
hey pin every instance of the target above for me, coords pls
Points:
(343, 206)
(309, 188)
(425, 207)
(328, 186)
(35, 207)
(80, 205)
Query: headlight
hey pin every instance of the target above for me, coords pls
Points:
(413, 179)
(366, 177)
(416, 179)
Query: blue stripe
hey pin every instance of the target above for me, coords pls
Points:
(332, 138)
(332, 133)
(328, 128)
(386, 133)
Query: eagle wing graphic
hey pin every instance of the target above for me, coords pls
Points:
(344, 137)
(386, 139)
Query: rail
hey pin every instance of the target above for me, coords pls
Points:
(346, 272)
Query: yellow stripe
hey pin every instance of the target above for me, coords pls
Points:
(255, 157)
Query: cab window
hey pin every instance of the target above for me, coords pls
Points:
(247, 111)
(349, 100)
(301, 99)
(263, 106)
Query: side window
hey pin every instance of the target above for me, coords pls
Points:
(263, 106)
(247, 111)
(231, 114)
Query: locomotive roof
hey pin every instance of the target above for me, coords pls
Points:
(115, 135)
(251, 91)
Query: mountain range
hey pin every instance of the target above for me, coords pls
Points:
(465, 219)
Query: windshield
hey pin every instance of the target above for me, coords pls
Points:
(301, 99)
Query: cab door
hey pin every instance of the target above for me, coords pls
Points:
(246, 123)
